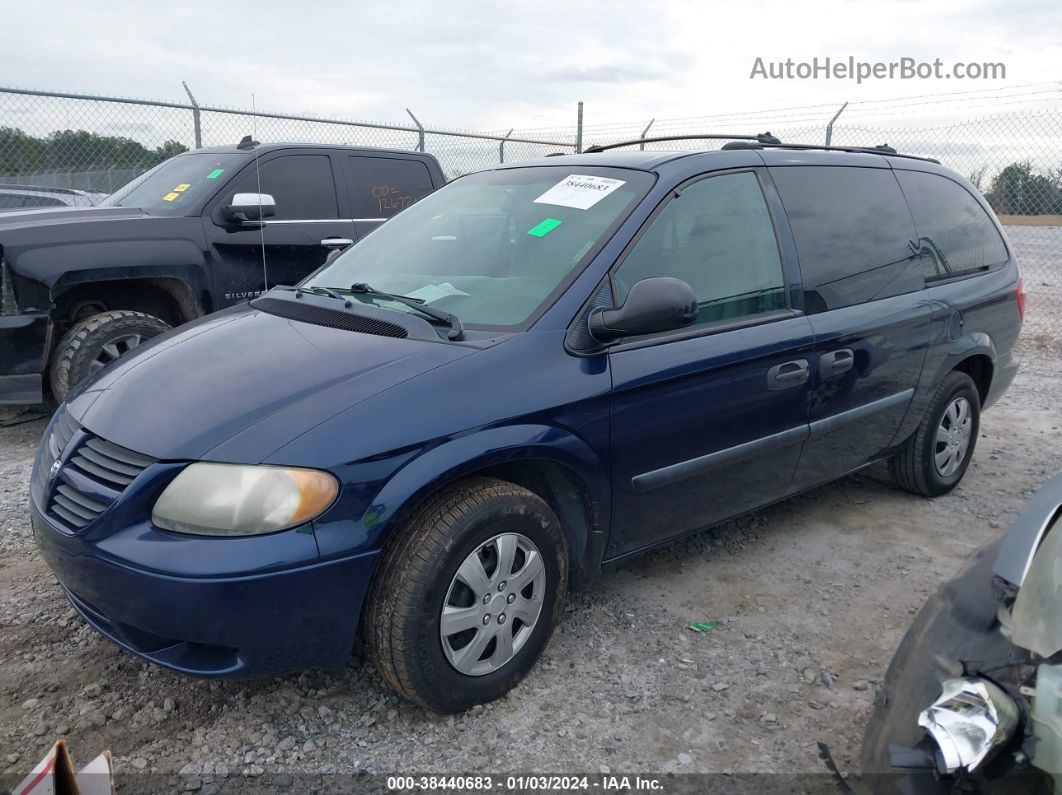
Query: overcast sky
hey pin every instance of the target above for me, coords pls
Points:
(500, 64)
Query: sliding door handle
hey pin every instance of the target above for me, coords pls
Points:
(783, 376)
(836, 362)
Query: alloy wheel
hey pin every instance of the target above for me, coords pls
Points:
(118, 346)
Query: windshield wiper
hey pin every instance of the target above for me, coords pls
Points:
(326, 290)
(456, 331)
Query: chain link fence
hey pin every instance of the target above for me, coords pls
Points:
(1014, 157)
(100, 143)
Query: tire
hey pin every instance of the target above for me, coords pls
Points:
(95, 342)
(915, 468)
(418, 575)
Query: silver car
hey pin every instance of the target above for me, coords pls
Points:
(23, 197)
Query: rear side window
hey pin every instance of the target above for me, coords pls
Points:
(716, 236)
(955, 234)
(379, 187)
(301, 185)
(854, 234)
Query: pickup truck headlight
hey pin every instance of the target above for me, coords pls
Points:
(233, 500)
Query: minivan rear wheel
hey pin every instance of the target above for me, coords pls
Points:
(936, 457)
(467, 595)
(95, 342)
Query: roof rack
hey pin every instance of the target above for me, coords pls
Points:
(880, 149)
(762, 138)
(761, 141)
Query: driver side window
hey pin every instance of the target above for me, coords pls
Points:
(301, 185)
(716, 236)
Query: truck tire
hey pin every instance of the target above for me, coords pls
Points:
(937, 455)
(467, 595)
(95, 342)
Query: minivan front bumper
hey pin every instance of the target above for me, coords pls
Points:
(264, 623)
(24, 343)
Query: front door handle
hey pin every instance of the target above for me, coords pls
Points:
(836, 362)
(337, 242)
(787, 374)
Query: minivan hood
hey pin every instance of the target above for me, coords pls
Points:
(239, 384)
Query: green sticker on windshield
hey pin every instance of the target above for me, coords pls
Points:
(217, 172)
(544, 227)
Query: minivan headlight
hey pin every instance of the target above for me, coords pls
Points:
(233, 500)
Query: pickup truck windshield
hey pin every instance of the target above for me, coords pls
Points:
(170, 187)
(493, 246)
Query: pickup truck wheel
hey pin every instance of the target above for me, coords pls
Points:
(936, 457)
(96, 342)
(467, 595)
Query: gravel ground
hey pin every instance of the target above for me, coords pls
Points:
(811, 595)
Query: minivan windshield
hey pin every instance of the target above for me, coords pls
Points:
(171, 186)
(491, 247)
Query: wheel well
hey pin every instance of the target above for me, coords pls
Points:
(166, 298)
(979, 368)
(565, 493)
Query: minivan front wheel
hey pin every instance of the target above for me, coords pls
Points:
(467, 596)
(936, 457)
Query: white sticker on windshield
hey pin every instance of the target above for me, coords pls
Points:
(579, 191)
(433, 292)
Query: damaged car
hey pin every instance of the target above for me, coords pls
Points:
(972, 701)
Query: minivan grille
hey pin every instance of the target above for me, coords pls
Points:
(75, 508)
(94, 476)
(108, 462)
(323, 316)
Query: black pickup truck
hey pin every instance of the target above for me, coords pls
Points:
(81, 286)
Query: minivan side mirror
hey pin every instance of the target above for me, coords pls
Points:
(249, 207)
(653, 305)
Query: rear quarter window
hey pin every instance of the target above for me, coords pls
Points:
(955, 235)
(853, 233)
(379, 187)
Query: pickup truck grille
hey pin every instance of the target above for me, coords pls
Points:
(93, 477)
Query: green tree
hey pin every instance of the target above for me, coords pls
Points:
(77, 150)
(1019, 190)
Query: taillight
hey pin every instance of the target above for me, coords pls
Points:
(1020, 294)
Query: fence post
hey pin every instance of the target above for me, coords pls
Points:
(829, 127)
(501, 146)
(642, 144)
(195, 117)
(579, 129)
(420, 131)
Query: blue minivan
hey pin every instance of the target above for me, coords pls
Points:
(533, 372)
